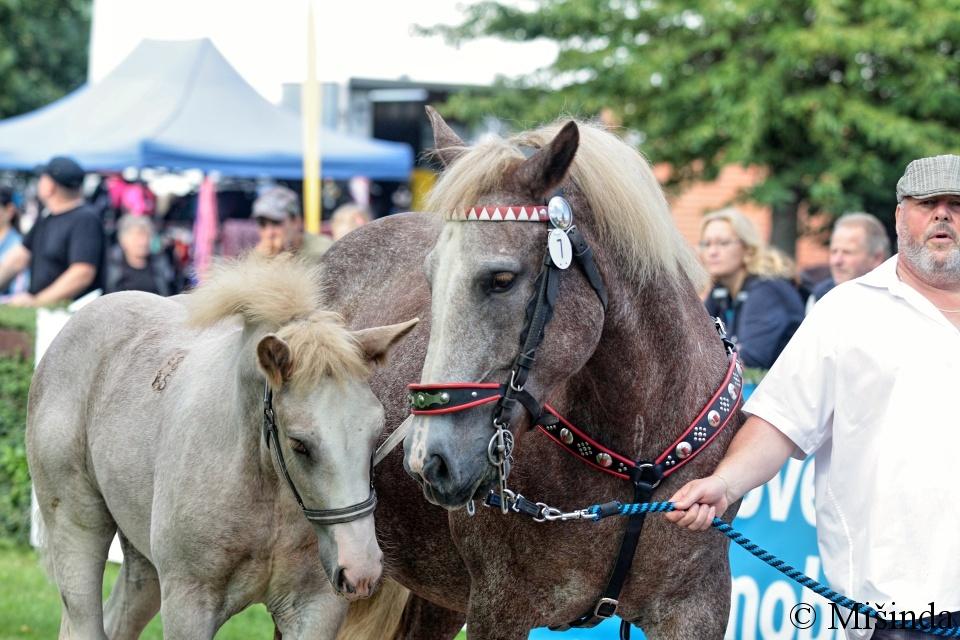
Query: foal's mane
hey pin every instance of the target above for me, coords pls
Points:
(632, 215)
(282, 295)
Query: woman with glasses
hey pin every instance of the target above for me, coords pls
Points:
(752, 291)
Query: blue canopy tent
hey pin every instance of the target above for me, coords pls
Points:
(180, 105)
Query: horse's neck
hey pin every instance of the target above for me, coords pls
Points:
(658, 362)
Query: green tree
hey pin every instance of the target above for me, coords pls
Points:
(834, 97)
(43, 51)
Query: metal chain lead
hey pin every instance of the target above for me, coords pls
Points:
(498, 453)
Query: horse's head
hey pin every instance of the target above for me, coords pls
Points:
(483, 275)
(327, 421)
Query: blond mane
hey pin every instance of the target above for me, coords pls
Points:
(632, 215)
(281, 295)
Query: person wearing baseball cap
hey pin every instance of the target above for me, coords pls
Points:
(64, 249)
(280, 225)
(867, 384)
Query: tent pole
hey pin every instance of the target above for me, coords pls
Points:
(310, 110)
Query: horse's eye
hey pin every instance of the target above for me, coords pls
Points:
(502, 281)
(298, 447)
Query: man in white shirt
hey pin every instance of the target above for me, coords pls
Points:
(868, 384)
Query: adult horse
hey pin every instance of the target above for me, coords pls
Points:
(629, 356)
(156, 418)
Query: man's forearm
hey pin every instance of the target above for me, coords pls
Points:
(754, 456)
(70, 283)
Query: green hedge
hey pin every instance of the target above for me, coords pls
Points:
(15, 376)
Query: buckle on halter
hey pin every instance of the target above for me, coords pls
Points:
(647, 473)
(606, 608)
(513, 377)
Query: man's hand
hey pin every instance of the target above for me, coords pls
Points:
(698, 502)
(23, 299)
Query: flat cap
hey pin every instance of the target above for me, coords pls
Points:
(277, 203)
(929, 177)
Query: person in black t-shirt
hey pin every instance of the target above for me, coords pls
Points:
(65, 247)
(130, 264)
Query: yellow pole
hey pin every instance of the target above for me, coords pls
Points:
(310, 110)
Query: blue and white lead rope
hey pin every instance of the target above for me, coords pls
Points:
(630, 509)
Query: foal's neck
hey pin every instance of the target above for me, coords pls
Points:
(658, 362)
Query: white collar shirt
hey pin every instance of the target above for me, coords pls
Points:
(868, 384)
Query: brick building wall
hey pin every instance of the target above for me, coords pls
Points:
(690, 205)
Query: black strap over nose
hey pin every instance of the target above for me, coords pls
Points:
(317, 516)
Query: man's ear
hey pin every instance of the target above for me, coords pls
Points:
(377, 341)
(275, 360)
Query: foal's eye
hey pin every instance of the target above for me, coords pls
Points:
(298, 447)
(502, 281)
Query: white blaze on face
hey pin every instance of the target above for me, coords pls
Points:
(448, 277)
(345, 433)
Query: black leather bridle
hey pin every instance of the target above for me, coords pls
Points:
(317, 516)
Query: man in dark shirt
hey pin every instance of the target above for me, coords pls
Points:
(64, 249)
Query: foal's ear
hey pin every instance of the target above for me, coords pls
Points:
(449, 146)
(275, 359)
(377, 341)
(542, 172)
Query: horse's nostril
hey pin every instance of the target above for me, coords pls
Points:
(343, 583)
(435, 471)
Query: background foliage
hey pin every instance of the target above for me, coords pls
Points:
(43, 51)
(834, 97)
(15, 376)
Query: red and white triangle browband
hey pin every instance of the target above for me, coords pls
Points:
(505, 213)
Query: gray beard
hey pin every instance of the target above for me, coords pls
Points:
(937, 271)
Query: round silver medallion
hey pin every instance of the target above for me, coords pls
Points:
(713, 418)
(561, 215)
(566, 435)
(684, 449)
(604, 459)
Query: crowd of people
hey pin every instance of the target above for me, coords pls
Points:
(755, 288)
(67, 251)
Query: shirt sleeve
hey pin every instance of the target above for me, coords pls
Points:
(768, 318)
(28, 239)
(797, 395)
(86, 242)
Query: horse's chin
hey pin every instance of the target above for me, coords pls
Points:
(454, 501)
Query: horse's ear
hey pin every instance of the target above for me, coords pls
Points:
(275, 358)
(376, 342)
(448, 144)
(542, 172)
